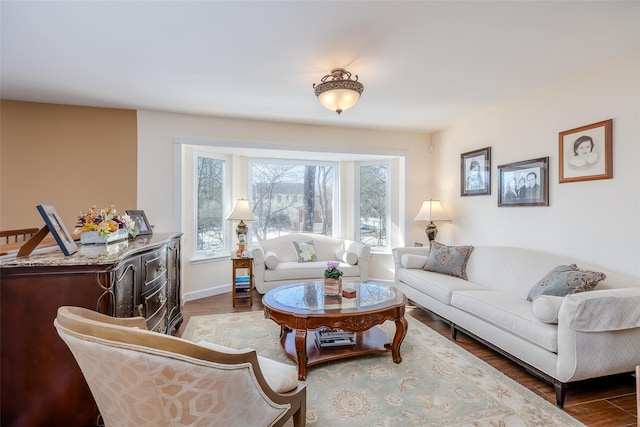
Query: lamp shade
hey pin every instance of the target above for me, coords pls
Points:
(432, 210)
(341, 92)
(241, 211)
(339, 100)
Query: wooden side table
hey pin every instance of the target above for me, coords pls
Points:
(242, 284)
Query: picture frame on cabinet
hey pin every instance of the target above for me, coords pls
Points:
(586, 153)
(57, 229)
(475, 172)
(524, 183)
(140, 218)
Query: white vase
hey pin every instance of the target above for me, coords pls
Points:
(93, 237)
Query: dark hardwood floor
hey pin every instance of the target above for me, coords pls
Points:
(608, 403)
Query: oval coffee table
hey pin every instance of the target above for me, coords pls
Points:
(304, 307)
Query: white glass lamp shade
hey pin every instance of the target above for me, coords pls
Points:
(337, 91)
(432, 210)
(339, 100)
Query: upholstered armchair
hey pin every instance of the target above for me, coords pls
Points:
(142, 378)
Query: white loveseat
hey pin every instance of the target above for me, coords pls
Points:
(561, 339)
(275, 261)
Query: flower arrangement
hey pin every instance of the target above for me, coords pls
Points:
(332, 271)
(105, 222)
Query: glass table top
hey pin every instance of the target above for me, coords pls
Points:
(310, 296)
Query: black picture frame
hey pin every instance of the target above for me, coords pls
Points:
(140, 218)
(578, 164)
(475, 172)
(524, 183)
(57, 229)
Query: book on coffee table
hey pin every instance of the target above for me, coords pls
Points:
(334, 338)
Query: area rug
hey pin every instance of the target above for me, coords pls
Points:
(436, 384)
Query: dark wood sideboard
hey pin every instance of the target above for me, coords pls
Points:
(42, 384)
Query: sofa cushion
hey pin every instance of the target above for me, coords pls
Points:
(413, 261)
(436, 285)
(509, 313)
(451, 260)
(564, 280)
(280, 377)
(306, 271)
(271, 260)
(347, 257)
(546, 308)
(306, 251)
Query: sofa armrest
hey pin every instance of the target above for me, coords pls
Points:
(398, 252)
(598, 334)
(259, 265)
(602, 310)
(363, 252)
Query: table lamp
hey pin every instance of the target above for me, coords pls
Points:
(241, 212)
(431, 210)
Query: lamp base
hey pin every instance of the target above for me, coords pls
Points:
(241, 228)
(431, 231)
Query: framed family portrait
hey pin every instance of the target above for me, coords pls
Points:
(57, 229)
(524, 183)
(475, 172)
(141, 221)
(586, 153)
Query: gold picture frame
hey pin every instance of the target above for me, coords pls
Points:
(586, 153)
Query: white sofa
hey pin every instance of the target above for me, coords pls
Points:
(561, 339)
(275, 261)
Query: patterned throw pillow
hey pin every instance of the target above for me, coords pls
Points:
(306, 251)
(450, 260)
(564, 280)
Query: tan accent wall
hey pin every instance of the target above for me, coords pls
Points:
(66, 156)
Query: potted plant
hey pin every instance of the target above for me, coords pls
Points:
(332, 279)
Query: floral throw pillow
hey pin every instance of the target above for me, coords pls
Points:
(306, 251)
(450, 260)
(564, 280)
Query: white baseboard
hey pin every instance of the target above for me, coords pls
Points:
(204, 293)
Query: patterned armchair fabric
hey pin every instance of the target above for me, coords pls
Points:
(142, 378)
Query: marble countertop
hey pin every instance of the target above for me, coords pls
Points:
(93, 254)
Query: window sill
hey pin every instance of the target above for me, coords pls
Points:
(215, 256)
(380, 252)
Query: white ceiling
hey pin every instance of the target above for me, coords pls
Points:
(424, 64)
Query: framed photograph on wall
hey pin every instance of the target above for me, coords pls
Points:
(475, 172)
(57, 229)
(524, 183)
(141, 221)
(586, 153)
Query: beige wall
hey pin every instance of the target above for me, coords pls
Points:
(594, 221)
(66, 156)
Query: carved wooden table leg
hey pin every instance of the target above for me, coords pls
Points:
(301, 352)
(401, 332)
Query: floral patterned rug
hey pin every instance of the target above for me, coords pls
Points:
(436, 384)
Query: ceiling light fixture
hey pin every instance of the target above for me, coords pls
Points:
(340, 93)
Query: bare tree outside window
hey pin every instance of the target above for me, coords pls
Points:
(210, 204)
(289, 197)
(373, 204)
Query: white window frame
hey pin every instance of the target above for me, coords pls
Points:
(226, 200)
(356, 222)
